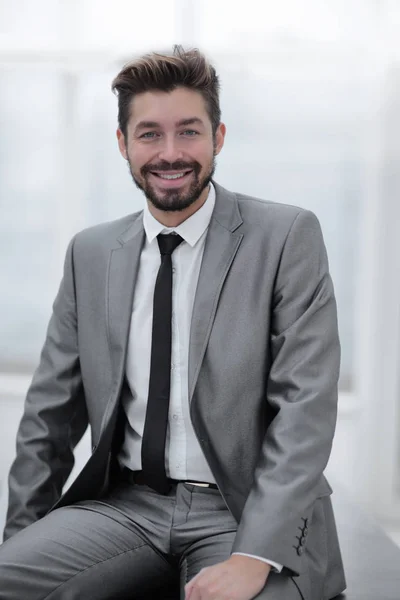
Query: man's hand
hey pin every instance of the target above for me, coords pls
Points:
(238, 578)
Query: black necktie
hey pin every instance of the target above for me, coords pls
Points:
(155, 427)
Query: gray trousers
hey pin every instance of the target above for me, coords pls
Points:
(125, 545)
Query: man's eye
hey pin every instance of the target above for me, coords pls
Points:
(190, 132)
(148, 135)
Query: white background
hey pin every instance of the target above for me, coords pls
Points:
(311, 99)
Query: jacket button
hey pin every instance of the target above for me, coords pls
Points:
(300, 550)
(305, 531)
(302, 541)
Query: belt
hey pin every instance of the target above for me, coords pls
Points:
(139, 477)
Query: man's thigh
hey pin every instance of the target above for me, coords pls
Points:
(83, 551)
(217, 548)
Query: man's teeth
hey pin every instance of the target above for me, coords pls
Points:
(171, 176)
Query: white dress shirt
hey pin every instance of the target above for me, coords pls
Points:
(184, 458)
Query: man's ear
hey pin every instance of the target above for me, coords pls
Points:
(220, 137)
(121, 144)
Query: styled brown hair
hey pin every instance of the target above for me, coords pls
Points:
(166, 72)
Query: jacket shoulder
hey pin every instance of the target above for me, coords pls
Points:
(276, 219)
(258, 209)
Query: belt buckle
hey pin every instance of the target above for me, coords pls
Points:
(206, 485)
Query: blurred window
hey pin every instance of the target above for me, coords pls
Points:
(296, 93)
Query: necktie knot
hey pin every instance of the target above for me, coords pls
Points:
(167, 243)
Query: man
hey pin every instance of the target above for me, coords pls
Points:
(198, 338)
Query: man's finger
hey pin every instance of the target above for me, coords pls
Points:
(189, 593)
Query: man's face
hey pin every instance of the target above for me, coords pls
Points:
(170, 147)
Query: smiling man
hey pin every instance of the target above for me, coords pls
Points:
(198, 340)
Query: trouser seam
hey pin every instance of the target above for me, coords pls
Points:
(190, 505)
(176, 510)
(93, 565)
(172, 522)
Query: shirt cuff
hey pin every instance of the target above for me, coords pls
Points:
(276, 566)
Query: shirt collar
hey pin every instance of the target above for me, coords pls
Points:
(190, 230)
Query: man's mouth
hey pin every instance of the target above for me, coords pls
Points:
(171, 176)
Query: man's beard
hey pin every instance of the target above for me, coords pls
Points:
(174, 199)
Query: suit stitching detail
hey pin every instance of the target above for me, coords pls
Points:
(93, 565)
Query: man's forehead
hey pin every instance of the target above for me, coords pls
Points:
(172, 108)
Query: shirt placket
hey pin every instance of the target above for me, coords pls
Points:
(177, 443)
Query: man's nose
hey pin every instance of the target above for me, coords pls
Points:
(171, 150)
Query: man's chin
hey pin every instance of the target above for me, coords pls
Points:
(171, 204)
(172, 200)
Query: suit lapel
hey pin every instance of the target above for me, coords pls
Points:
(123, 269)
(221, 246)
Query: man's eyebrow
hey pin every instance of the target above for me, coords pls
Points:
(191, 121)
(146, 125)
(181, 123)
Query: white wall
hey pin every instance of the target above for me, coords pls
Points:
(310, 95)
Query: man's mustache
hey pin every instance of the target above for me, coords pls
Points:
(175, 166)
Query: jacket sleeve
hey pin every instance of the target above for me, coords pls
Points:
(54, 417)
(302, 389)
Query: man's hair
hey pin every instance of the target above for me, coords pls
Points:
(166, 72)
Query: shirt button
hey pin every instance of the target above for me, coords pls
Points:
(173, 269)
(175, 417)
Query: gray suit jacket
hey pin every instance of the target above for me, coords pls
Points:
(263, 372)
